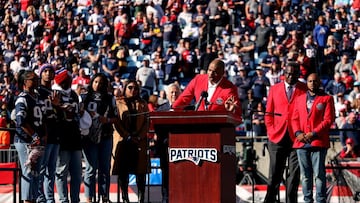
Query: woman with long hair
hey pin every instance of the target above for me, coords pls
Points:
(97, 144)
(130, 140)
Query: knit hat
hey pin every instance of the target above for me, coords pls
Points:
(61, 75)
(45, 66)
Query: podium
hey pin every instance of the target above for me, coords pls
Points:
(202, 159)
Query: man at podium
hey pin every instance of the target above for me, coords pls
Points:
(212, 92)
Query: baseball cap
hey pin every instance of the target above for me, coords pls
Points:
(75, 51)
(23, 59)
(349, 141)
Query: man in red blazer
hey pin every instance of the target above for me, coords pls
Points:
(314, 113)
(279, 109)
(221, 93)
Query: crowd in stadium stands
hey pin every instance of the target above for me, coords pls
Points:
(160, 42)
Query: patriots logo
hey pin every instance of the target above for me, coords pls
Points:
(195, 155)
(195, 160)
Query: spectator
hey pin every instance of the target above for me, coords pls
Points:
(351, 130)
(335, 86)
(258, 121)
(275, 73)
(242, 83)
(312, 137)
(356, 70)
(341, 119)
(153, 103)
(247, 50)
(170, 34)
(171, 64)
(207, 57)
(311, 51)
(348, 80)
(320, 34)
(267, 62)
(96, 20)
(354, 91)
(338, 26)
(146, 37)
(349, 151)
(147, 76)
(259, 84)
(305, 64)
(82, 79)
(331, 52)
(130, 141)
(184, 19)
(158, 66)
(263, 37)
(157, 37)
(221, 18)
(343, 64)
(4, 135)
(355, 105)
(340, 103)
(110, 65)
(188, 63)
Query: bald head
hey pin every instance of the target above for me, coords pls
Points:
(313, 83)
(216, 71)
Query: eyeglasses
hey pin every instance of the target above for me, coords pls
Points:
(132, 87)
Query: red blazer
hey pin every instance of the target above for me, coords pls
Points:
(318, 120)
(223, 91)
(277, 103)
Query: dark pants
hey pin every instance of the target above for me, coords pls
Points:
(278, 155)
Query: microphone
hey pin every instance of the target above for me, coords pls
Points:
(207, 103)
(203, 96)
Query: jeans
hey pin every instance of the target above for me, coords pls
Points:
(68, 161)
(29, 179)
(312, 165)
(97, 158)
(47, 174)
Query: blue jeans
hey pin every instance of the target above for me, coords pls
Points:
(68, 161)
(29, 179)
(312, 165)
(47, 174)
(98, 159)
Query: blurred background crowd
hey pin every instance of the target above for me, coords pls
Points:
(159, 42)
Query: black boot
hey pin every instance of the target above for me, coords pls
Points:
(125, 197)
(140, 181)
(124, 184)
(141, 196)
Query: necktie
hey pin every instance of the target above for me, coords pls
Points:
(289, 92)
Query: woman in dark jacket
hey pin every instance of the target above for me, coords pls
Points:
(130, 139)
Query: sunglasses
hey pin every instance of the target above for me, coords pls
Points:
(132, 87)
